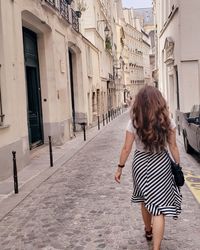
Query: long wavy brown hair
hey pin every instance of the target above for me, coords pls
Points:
(150, 117)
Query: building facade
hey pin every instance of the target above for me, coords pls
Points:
(137, 53)
(146, 16)
(62, 63)
(48, 69)
(99, 28)
(178, 52)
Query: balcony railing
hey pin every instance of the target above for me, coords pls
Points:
(63, 8)
(75, 20)
(64, 11)
(52, 3)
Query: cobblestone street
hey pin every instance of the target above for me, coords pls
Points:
(81, 206)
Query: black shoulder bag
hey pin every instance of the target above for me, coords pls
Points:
(177, 173)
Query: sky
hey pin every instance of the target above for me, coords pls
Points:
(137, 3)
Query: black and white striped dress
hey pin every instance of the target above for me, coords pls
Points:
(153, 182)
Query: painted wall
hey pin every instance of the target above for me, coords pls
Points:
(180, 28)
(55, 37)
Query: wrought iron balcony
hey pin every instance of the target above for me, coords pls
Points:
(75, 20)
(62, 6)
(52, 3)
(64, 11)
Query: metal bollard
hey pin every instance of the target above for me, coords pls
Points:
(179, 127)
(83, 124)
(98, 119)
(103, 120)
(50, 152)
(84, 132)
(15, 173)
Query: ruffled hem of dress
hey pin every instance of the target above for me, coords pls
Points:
(168, 211)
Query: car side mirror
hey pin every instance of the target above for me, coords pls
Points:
(193, 120)
(197, 120)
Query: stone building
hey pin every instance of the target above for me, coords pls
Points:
(52, 75)
(137, 51)
(178, 52)
(147, 55)
(62, 63)
(98, 26)
(146, 17)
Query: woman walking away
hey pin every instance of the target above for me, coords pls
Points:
(154, 187)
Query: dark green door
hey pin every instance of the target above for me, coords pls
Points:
(33, 88)
(72, 88)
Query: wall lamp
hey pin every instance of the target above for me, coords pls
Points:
(120, 65)
(106, 29)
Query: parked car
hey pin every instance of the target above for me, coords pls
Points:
(191, 129)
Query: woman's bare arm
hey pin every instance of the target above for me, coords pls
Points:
(173, 146)
(129, 139)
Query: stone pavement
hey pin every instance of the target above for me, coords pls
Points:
(80, 207)
(39, 169)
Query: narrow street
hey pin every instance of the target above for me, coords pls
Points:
(81, 206)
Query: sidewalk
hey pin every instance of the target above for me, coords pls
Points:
(39, 170)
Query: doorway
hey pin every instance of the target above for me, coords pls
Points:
(72, 89)
(34, 107)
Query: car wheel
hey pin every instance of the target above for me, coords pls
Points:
(187, 146)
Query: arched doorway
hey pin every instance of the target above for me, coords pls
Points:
(78, 104)
(34, 107)
(71, 70)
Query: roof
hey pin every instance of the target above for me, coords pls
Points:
(146, 14)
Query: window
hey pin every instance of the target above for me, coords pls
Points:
(195, 111)
(89, 61)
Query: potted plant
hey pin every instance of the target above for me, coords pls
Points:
(78, 13)
(108, 43)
